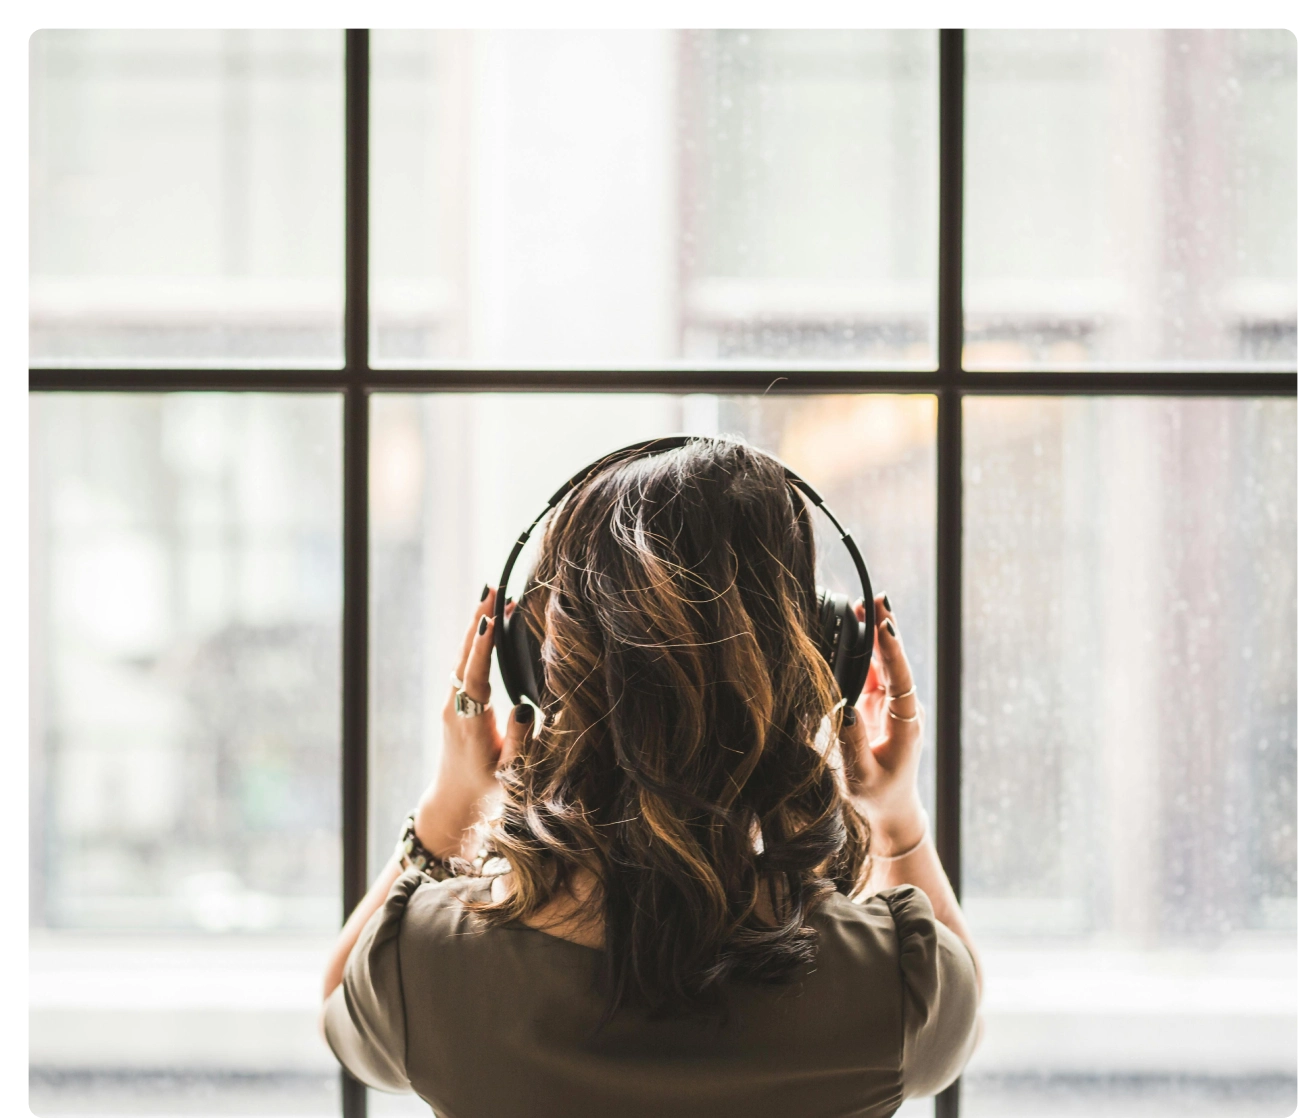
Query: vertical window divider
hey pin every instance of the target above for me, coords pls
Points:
(356, 437)
(950, 527)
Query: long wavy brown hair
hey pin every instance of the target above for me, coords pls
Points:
(682, 758)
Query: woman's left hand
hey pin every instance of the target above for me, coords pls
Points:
(473, 748)
(881, 746)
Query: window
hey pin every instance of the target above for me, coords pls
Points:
(186, 198)
(1128, 804)
(517, 219)
(185, 876)
(319, 319)
(1128, 200)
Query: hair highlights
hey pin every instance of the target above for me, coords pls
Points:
(677, 760)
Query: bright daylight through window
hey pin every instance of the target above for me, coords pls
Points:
(695, 204)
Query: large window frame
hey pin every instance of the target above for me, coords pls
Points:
(356, 381)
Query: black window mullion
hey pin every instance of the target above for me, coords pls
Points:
(950, 341)
(356, 438)
(723, 381)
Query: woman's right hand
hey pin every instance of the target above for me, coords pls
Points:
(881, 750)
(473, 748)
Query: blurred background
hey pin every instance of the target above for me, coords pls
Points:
(620, 199)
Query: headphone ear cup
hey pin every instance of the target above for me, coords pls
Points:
(846, 643)
(855, 648)
(826, 624)
(519, 657)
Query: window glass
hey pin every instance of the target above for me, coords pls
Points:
(186, 197)
(1130, 199)
(185, 657)
(1129, 754)
(613, 197)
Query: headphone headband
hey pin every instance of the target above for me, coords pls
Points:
(844, 657)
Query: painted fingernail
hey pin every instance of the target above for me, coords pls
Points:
(486, 589)
(522, 713)
(849, 716)
(482, 626)
(887, 624)
(887, 604)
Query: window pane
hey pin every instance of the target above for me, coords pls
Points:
(186, 197)
(186, 590)
(626, 197)
(1131, 199)
(1129, 749)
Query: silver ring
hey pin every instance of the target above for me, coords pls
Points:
(466, 707)
(457, 682)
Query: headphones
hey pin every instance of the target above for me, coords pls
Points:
(846, 643)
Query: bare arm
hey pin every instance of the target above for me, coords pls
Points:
(881, 741)
(922, 868)
(449, 809)
(360, 916)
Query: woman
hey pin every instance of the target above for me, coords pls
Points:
(717, 890)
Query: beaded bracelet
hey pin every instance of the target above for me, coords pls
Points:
(414, 855)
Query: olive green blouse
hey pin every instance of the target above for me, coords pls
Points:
(501, 1022)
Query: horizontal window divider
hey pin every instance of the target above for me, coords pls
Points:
(681, 380)
(146, 379)
(483, 380)
(1177, 382)
(1158, 382)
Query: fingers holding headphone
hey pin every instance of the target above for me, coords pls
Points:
(859, 765)
(874, 702)
(486, 608)
(881, 758)
(901, 738)
(894, 666)
(521, 724)
(476, 669)
(471, 740)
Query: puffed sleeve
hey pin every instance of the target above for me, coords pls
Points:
(940, 992)
(365, 1017)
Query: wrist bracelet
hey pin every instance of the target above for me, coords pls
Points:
(906, 853)
(413, 854)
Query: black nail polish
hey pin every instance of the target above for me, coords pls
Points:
(522, 713)
(486, 589)
(482, 626)
(849, 716)
(892, 629)
(887, 604)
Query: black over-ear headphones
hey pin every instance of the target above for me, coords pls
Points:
(846, 643)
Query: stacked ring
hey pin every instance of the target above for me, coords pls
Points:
(904, 695)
